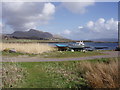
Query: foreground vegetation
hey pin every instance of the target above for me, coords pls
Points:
(31, 48)
(12, 74)
(69, 54)
(98, 73)
(54, 54)
(41, 50)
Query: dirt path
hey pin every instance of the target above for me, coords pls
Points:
(36, 59)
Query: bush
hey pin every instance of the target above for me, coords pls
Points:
(100, 74)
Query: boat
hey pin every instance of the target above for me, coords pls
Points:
(80, 43)
(75, 46)
(62, 47)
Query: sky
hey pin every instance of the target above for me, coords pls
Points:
(73, 20)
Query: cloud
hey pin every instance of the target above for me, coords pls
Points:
(80, 27)
(100, 28)
(1, 27)
(0, 11)
(26, 15)
(67, 32)
(48, 9)
(90, 24)
(102, 25)
(111, 24)
(77, 7)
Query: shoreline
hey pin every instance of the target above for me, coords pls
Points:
(36, 41)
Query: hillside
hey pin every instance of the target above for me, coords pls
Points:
(31, 34)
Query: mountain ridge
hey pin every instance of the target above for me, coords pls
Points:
(31, 34)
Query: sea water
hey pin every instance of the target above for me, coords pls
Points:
(111, 46)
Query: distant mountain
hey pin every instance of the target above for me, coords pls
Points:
(106, 39)
(31, 34)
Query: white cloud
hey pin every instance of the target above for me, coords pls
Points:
(67, 32)
(26, 15)
(80, 27)
(31, 25)
(90, 24)
(102, 25)
(100, 28)
(101, 20)
(111, 24)
(77, 7)
(48, 9)
(1, 27)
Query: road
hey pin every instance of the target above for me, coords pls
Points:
(37, 59)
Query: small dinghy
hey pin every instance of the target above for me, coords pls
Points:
(62, 47)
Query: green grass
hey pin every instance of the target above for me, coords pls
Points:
(69, 54)
(49, 75)
(37, 76)
(56, 54)
(12, 74)
(4, 53)
(54, 74)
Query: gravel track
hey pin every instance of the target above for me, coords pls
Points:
(37, 59)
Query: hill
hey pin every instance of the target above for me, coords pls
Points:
(31, 34)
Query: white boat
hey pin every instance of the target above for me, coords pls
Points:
(80, 43)
(77, 46)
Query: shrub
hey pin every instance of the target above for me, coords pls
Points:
(100, 74)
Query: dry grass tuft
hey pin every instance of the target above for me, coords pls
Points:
(32, 48)
(100, 74)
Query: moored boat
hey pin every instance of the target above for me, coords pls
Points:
(62, 47)
(75, 46)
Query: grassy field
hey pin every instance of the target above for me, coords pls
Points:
(31, 48)
(33, 41)
(69, 54)
(12, 74)
(41, 50)
(98, 73)
(54, 54)
(6, 53)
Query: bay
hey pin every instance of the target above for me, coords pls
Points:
(111, 46)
